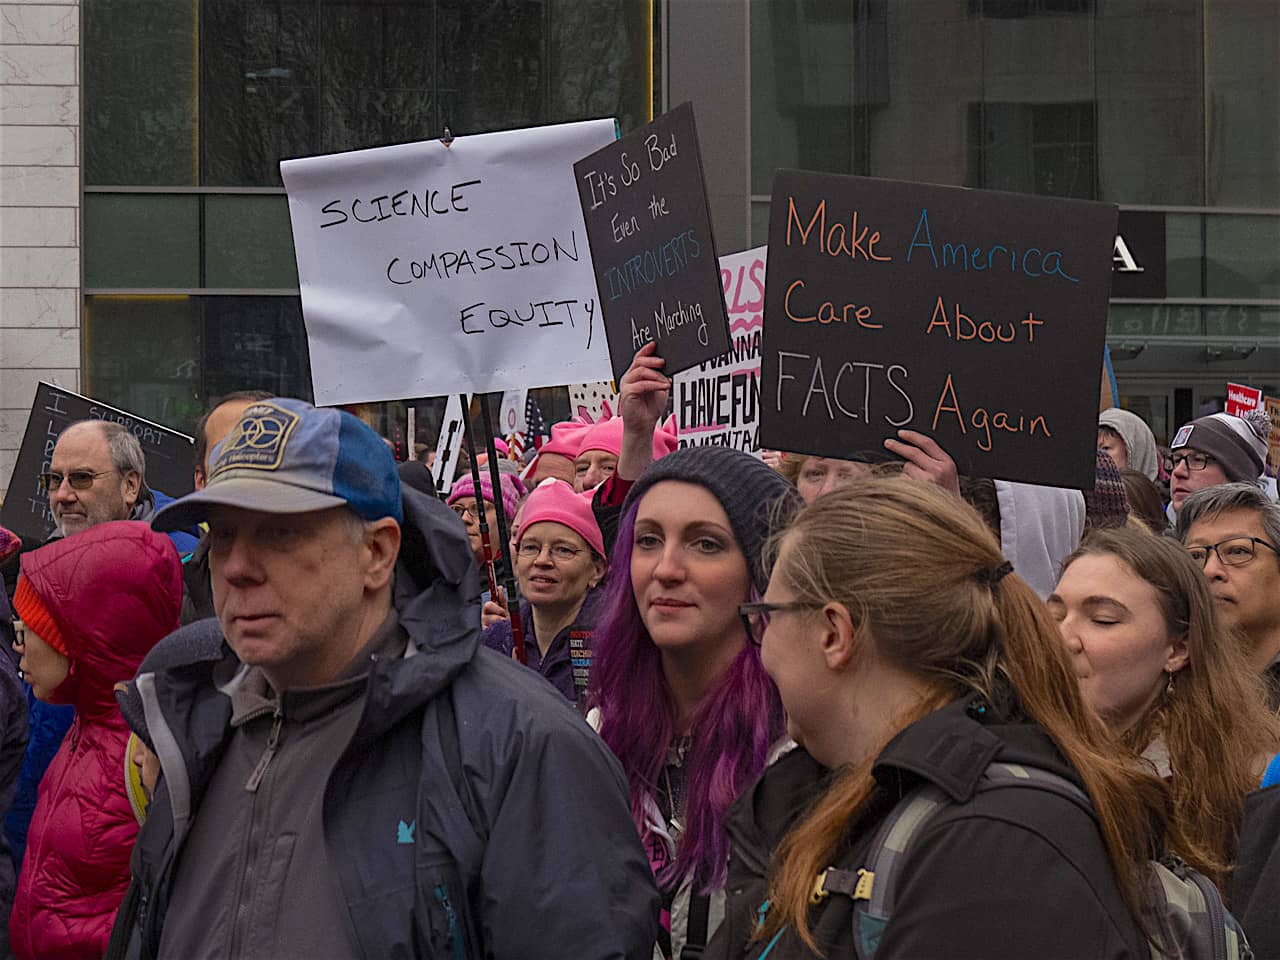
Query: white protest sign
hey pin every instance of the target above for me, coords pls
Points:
(718, 402)
(511, 421)
(452, 432)
(593, 402)
(429, 270)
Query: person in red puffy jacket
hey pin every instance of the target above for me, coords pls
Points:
(91, 607)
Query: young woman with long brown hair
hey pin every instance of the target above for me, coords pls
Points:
(1170, 680)
(907, 654)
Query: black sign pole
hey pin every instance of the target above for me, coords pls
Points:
(508, 571)
(481, 518)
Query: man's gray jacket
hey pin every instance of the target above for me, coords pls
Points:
(474, 814)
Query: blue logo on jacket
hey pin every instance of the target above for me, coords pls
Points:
(404, 832)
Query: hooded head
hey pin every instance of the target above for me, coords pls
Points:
(1139, 442)
(106, 597)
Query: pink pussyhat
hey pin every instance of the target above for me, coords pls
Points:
(566, 439)
(554, 501)
(607, 436)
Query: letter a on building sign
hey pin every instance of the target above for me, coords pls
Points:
(972, 316)
(428, 270)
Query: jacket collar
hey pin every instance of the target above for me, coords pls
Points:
(951, 749)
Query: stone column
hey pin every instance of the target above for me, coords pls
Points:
(39, 209)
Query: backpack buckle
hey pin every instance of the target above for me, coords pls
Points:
(866, 880)
(819, 888)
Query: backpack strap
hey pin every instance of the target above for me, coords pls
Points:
(695, 940)
(873, 889)
(1272, 775)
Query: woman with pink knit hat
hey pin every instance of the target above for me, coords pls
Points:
(555, 457)
(559, 563)
(462, 498)
(602, 446)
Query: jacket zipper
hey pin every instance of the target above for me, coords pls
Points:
(273, 740)
(251, 785)
(1217, 921)
(455, 934)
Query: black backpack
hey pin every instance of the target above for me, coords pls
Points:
(1185, 909)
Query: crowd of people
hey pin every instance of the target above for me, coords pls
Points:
(763, 706)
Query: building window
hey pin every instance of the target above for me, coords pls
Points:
(1017, 9)
(1044, 148)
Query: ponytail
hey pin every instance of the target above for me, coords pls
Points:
(923, 573)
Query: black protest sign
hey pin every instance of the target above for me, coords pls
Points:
(169, 455)
(645, 205)
(973, 316)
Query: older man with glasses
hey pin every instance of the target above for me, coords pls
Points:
(97, 474)
(1233, 532)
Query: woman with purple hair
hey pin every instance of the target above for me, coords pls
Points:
(680, 695)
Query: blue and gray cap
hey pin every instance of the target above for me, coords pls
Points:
(286, 456)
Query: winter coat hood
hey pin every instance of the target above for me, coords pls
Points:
(113, 591)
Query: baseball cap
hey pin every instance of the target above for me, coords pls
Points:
(286, 456)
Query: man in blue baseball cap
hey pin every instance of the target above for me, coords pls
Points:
(357, 776)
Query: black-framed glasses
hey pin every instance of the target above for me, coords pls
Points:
(1232, 552)
(559, 552)
(1193, 459)
(79, 479)
(755, 616)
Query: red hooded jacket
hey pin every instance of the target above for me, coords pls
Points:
(114, 591)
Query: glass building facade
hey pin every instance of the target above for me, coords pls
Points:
(190, 281)
(1169, 108)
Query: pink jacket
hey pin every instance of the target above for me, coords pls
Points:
(114, 591)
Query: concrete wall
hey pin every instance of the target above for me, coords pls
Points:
(39, 208)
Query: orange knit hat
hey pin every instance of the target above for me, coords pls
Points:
(33, 612)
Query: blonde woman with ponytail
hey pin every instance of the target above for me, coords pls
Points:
(907, 653)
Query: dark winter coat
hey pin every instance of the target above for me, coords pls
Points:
(113, 591)
(557, 665)
(1002, 873)
(1255, 882)
(473, 813)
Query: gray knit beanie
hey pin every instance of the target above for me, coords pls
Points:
(752, 494)
(1239, 444)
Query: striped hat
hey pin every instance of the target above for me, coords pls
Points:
(1239, 444)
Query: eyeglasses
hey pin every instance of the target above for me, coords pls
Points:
(755, 616)
(1232, 552)
(560, 552)
(463, 511)
(79, 479)
(19, 635)
(1193, 460)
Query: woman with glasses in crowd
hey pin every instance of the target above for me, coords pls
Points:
(680, 695)
(908, 655)
(1170, 681)
(559, 564)
(467, 503)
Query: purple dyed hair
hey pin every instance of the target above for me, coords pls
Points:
(733, 727)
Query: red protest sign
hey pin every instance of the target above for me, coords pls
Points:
(1242, 399)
